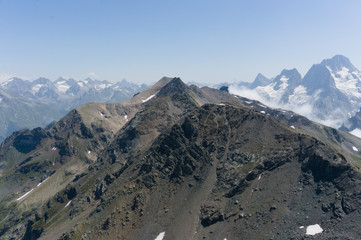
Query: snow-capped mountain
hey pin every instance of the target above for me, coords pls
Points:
(29, 104)
(330, 92)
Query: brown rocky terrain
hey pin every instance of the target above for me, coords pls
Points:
(194, 163)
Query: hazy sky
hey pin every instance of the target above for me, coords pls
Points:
(205, 41)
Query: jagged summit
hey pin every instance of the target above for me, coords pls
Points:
(291, 73)
(287, 78)
(260, 80)
(175, 85)
(338, 62)
(318, 77)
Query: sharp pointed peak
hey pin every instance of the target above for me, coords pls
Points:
(260, 75)
(174, 85)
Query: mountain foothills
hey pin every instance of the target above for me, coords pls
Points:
(25, 104)
(330, 92)
(181, 162)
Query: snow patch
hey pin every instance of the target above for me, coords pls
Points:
(259, 177)
(354, 148)
(150, 97)
(356, 132)
(313, 229)
(62, 87)
(101, 114)
(67, 204)
(302, 227)
(160, 236)
(262, 112)
(347, 82)
(42, 181)
(36, 88)
(293, 127)
(126, 117)
(89, 152)
(54, 148)
(284, 81)
(18, 199)
(102, 86)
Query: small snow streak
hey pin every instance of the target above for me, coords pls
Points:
(354, 148)
(262, 112)
(160, 236)
(42, 181)
(293, 127)
(24, 195)
(67, 204)
(150, 97)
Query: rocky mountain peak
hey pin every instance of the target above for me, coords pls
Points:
(318, 77)
(174, 86)
(260, 80)
(287, 78)
(291, 73)
(338, 62)
(44, 81)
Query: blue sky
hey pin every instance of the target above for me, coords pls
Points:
(197, 40)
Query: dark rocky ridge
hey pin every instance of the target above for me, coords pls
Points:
(232, 169)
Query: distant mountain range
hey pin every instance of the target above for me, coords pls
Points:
(30, 104)
(330, 92)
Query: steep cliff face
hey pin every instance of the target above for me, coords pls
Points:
(192, 163)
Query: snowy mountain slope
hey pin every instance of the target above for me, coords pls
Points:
(330, 92)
